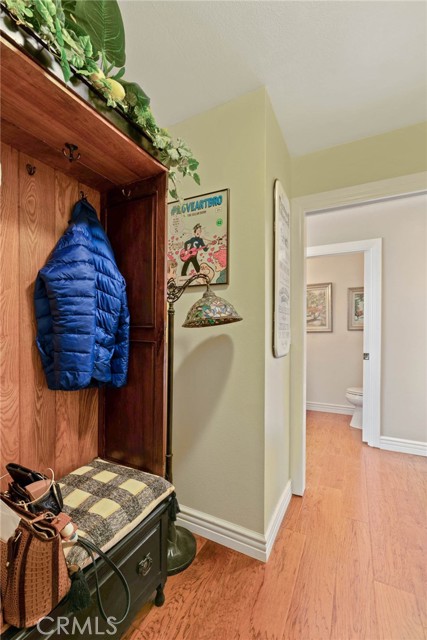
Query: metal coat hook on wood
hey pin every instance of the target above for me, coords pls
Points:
(126, 192)
(31, 169)
(69, 152)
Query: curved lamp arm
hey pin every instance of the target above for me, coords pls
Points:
(174, 291)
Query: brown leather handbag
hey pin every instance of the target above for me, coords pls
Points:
(34, 574)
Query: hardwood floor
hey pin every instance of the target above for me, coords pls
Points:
(347, 564)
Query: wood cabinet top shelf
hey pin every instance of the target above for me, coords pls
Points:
(40, 114)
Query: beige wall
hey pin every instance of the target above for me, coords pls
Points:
(402, 223)
(396, 153)
(277, 370)
(236, 407)
(334, 360)
(225, 463)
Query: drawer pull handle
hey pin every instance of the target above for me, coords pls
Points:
(145, 565)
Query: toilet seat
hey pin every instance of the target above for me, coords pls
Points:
(355, 391)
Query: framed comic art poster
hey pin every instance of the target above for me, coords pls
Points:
(198, 239)
(282, 273)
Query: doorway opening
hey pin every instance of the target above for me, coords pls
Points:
(371, 250)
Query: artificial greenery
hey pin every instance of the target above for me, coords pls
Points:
(88, 37)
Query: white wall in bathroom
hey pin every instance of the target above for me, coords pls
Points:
(402, 223)
(334, 360)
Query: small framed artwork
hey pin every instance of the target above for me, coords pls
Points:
(319, 307)
(282, 273)
(198, 239)
(356, 309)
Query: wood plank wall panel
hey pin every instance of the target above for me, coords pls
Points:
(9, 309)
(40, 428)
(67, 402)
(37, 238)
(88, 398)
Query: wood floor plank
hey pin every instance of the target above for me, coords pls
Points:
(310, 613)
(188, 595)
(269, 613)
(293, 512)
(347, 473)
(388, 531)
(223, 614)
(415, 558)
(354, 614)
(398, 615)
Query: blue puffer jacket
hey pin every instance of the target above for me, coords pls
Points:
(81, 309)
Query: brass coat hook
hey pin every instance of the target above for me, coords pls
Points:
(69, 152)
(31, 169)
(126, 192)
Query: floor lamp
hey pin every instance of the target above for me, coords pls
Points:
(209, 311)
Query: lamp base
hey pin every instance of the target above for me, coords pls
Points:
(181, 549)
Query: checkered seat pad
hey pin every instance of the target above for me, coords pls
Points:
(106, 501)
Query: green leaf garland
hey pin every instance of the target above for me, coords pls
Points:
(89, 36)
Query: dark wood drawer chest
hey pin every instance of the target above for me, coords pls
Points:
(142, 557)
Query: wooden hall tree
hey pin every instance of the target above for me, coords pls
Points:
(41, 428)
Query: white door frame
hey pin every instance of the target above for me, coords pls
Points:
(337, 199)
(372, 251)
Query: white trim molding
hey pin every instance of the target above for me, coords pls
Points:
(391, 188)
(251, 543)
(231, 535)
(337, 199)
(415, 447)
(344, 409)
(277, 517)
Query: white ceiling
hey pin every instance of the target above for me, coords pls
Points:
(336, 71)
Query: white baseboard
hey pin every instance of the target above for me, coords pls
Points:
(277, 517)
(251, 543)
(415, 447)
(345, 409)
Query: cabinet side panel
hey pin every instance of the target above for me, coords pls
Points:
(134, 416)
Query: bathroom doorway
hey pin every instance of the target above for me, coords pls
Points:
(378, 211)
(335, 355)
(371, 354)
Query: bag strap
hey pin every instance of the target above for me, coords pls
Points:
(91, 548)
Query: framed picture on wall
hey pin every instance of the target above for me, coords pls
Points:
(282, 273)
(198, 238)
(356, 309)
(319, 307)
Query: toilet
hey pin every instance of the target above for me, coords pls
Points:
(355, 396)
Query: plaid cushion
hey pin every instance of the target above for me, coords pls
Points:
(106, 501)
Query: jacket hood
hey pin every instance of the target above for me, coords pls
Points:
(83, 211)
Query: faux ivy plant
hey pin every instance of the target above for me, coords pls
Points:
(88, 36)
